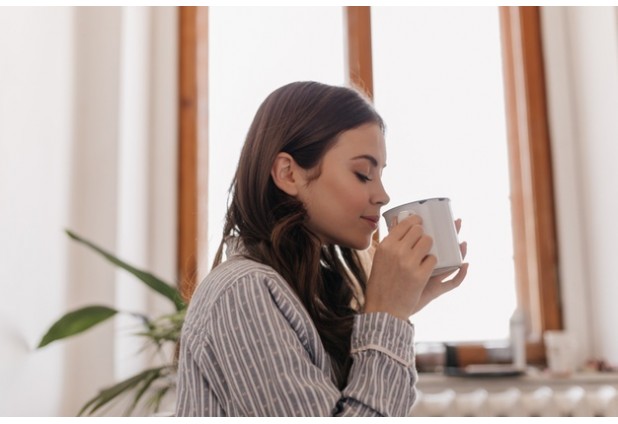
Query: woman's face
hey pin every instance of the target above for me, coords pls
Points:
(344, 201)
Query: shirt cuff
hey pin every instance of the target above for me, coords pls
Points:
(383, 332)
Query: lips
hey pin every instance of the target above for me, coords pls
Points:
(372, 220)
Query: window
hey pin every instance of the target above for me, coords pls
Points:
(440, 92)
(253, 51)
(528, 156)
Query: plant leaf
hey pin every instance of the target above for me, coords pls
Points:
(154, 402)
(75, 322)
(165, 328)
(147, 382)
(150, 280)
(107, 395)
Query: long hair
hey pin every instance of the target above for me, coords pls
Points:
(303, 119)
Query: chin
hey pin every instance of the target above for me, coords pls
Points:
(356, 244)
(365, 246)
(359, 245)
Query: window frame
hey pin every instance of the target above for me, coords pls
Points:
(532, 188)
(532, 193)
(192, 242)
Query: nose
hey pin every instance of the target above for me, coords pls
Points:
(381, 197)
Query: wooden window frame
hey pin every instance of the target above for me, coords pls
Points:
(192, 241)
(532, 197)
(532, 193)
(358, 50)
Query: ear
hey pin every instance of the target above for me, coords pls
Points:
(285, 173)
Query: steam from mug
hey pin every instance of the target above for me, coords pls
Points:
(439, 224)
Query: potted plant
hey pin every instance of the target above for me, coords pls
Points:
(148, 387)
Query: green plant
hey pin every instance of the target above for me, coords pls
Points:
(150, 385)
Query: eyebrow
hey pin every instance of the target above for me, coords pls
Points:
(370, 158)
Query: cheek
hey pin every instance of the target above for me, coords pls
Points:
(341, 191)
(352, 191)
(351, 201)
(338, 196)
(353, 197)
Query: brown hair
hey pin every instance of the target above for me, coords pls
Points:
(303, 119)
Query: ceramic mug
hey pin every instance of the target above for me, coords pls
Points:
(439, 224)
(560, 351)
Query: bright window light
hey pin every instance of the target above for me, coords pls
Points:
(438, 85)
(253, 51)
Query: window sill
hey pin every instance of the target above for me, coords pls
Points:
(435, 382)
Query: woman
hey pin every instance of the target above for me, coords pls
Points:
(292, 324)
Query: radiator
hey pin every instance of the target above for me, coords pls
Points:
(543, 401)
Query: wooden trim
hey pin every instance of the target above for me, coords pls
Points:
(359, 61)
(192, 143)
(532, 197)
(359, 65)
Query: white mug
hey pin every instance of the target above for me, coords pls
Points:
(560, 351)
(438, 223)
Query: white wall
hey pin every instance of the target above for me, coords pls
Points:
(581, 51)
(35, 135)
(61, 91)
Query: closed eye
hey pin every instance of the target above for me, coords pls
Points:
(362, 177)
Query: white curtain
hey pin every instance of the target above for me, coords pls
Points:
(87, 143)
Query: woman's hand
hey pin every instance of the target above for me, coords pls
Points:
(400, 282)
(436, 286)
(400, 271)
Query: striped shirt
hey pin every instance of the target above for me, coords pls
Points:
(249, 348)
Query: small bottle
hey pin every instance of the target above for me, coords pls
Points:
(518, 339)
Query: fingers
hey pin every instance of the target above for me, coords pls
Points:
(440, 277)
(428, 263)
(463, 247)
(410, 231)
(421, 246)
(455, 281)
(400, 229)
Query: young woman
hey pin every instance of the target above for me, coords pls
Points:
(292, 323)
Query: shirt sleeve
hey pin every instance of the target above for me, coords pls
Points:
(267, 371)
(383, 374)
